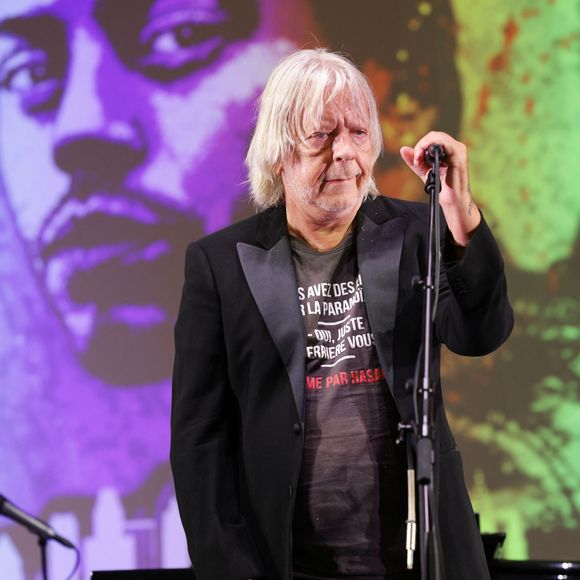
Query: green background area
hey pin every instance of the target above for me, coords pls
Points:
(519, 63)
(519, 409)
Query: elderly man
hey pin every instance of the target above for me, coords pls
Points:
(297, 331)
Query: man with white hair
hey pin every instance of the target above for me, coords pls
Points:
(297, 331)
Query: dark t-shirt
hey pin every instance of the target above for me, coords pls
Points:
(351, 499)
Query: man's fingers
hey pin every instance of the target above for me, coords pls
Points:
(409, 157)
(407, 154)
(455, 151)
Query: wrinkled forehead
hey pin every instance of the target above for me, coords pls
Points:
(352, 104)
(348, 106)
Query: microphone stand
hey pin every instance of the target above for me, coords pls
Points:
(40, 529)
(44, 565)
(423, 429)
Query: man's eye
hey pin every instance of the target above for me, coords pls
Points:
(22, 71)
(318, 136)
(33, 78)
(181, 39)
(177, 38)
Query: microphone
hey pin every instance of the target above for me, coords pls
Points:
(431, 151)
(36, 526)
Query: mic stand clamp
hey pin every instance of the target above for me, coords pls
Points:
(405, 432)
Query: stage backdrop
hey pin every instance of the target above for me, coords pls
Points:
(123, 129)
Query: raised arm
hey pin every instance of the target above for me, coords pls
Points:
(474, 315)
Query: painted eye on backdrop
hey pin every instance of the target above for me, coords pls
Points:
(29, 74)
(176, 42)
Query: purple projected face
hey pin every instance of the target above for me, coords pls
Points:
(122, 137)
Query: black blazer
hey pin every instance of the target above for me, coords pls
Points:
(239, 377)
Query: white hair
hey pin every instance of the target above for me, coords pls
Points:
(294, 99)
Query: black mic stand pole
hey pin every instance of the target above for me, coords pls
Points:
(429, 544)
(43, 561)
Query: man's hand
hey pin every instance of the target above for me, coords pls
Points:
(455, 198)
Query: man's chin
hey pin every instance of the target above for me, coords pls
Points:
(338, 207)
(122, 355)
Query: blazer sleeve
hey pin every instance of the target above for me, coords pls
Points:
(204, 434)
(474, 316)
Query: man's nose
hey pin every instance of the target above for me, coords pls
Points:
(94, 130)
(342, 147)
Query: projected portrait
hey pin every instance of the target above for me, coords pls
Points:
(124, 127)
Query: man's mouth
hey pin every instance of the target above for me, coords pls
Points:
(103, 259)
(340, 178)
(84, 243)
(111, 264)
(86, 214)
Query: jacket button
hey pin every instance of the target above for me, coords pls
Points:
(296, 429)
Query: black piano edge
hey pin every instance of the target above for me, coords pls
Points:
(500, 570)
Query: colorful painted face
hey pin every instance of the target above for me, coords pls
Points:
(122, 137)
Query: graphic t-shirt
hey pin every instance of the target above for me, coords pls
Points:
(351, 499)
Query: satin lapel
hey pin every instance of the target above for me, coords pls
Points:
(379, 249)
(272, 281)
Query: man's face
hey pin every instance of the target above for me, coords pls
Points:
(327, 177)
(122, 135)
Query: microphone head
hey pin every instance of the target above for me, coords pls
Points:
(432, 151)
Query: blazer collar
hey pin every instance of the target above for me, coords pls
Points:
(380, 237)
(272, 280)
